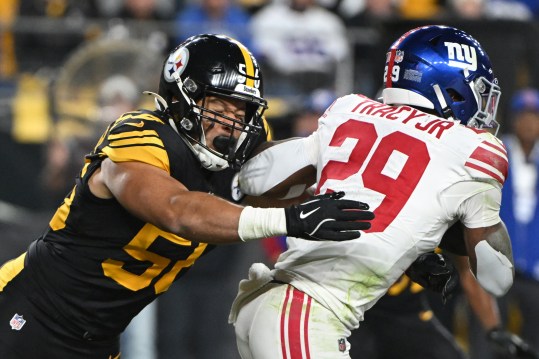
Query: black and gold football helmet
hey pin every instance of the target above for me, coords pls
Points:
(213, 65)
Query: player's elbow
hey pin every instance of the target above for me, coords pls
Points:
(499, 286)
(170, 217)
(170, 222)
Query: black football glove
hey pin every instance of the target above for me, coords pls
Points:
(510, 345)
(435, 271)
(327, 217)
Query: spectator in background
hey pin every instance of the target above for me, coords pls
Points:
(368, 24)
(8, 65)
(344, 8)
(139, 19)
(421, 9)
(300, 45)
(213, 16)
(493, 9)
(59, 40)
(306, 122)
(65, 155)
(144, 9)
(467, 9)
(520, 210)
(523, 10)
(374, 12)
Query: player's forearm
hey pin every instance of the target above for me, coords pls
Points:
(205, 218)
(483, 305)
(151, 195)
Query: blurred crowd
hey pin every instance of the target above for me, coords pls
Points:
(68, 68)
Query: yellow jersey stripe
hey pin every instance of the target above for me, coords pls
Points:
(58, 221)
(146, 153)
(137, 141)
(140, 116)
(145, 146)
(10, 270)
(132, 134)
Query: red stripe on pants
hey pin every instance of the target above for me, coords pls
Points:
(283, 317)
(297, 338)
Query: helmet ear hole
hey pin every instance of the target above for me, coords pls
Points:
(455, 96)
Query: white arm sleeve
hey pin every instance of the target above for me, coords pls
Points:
(494, 270)
(275, 164)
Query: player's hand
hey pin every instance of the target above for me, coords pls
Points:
(435, 271)
(510, 345)
(328, 217)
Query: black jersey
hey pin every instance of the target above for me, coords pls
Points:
(98, 265)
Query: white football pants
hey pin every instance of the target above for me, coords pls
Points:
(285, 323)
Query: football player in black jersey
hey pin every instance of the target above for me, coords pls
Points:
(146, 206)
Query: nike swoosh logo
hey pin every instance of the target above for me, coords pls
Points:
(305, 215)
(140, 124)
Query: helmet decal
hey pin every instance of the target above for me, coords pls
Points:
(462, 56)
(249, 70)
(176, 63)
(412, 75)
(399, 56)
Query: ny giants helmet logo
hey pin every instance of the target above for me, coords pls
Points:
(176, 63)
(462, 56)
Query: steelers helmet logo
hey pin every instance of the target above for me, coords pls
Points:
(176, 63)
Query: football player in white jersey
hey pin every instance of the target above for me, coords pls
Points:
(420, 159)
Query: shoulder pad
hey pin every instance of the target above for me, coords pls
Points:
(489, 159)
(135, 136)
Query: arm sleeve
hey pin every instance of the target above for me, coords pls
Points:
(275, 164)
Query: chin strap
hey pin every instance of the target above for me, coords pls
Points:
(207, 159)
(446, 110)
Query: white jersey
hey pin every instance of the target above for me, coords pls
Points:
(418, 173)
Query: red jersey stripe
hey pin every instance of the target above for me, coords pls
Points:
(491, 159)
(499, 148)
(486, 171)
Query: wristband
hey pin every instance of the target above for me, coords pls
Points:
(257, 223)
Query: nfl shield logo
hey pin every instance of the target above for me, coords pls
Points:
(17, 322)
(399, 56)
(342, 345)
